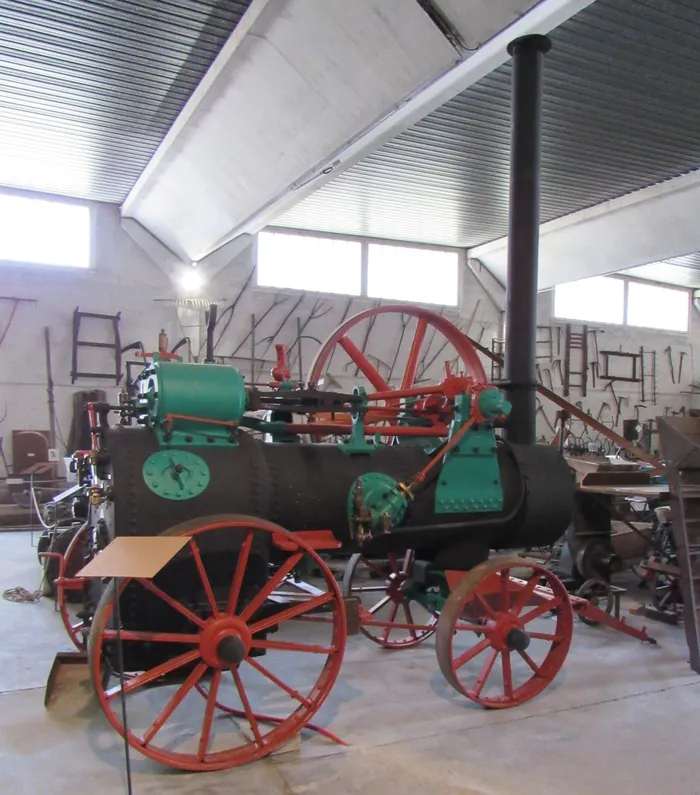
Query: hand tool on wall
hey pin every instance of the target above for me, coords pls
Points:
(616, 400)
(682, 356)
(604, 405)
(540, 410)
(669, 356)
(620, 401)
(556, 368)
(547, 374)
(636, 410)
(642, 374)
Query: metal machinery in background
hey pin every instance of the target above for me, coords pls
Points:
(247, 622)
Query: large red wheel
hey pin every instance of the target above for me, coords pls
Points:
(226, 607)
(433, 335)
(392, 619)
(504, 632)
(68, 563)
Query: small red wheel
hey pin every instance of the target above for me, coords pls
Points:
(219, 619)
(438, 338)
(527, 621)
(397, 621)
(68, 564)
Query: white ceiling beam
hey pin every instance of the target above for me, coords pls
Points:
(543, 18)
(649, 225)
(275, 118)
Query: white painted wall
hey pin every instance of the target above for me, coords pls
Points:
(122, 279)
(670, 396)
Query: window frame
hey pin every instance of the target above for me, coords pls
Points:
(627, 280)
(365, 243)
(31, 265)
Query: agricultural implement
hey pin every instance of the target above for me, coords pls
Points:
(236, 644)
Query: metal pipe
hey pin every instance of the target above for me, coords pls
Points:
(523, 236)
(211, 325)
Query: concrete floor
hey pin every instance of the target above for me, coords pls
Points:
(620, 717)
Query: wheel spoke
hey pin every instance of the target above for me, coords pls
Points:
(149, 637)
(283, 645)
(369, 588)
(485, 673)
(535, 668)
(155, 673)
(203, 577)
(291, 612)
(358, 358)
(270, 585)
(525, 594)
(379, 605)
(409, 375)
(484, 630)
(208, 715)
(507, 674)
(409, 619)
(393, 563)
(287, 689)
(540, 610)
(246, 706)
(174, 703)
(463, 659)
(241, 564)
(486, 606)
(392, 618)
(546, 636)
(505, 590)
(149, 585)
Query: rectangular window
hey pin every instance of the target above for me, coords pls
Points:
(623, 301)
(597, 300)
(43, 232)
(657, 307)
(402, 273)
(302, 262)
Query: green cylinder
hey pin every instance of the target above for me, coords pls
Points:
(190, 394)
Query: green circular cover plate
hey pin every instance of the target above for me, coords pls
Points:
(176, 474)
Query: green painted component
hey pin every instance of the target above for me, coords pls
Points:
(356, 443)
(176, 474)
(198, 391)
(470, 479)
(492, 404)
(431, 595)
(380, 496)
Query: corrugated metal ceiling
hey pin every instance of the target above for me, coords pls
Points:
(621, 111)
(88, 90)
(683, 271)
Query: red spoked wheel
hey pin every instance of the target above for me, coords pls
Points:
(68, 564)
(504, 632)
(220, 620)
(432, 334)
(392, 618)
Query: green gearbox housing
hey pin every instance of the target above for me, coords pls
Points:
(470, 479)
(174, 397)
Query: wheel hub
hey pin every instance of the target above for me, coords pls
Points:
(224, 642)
(517, 639)
(395, 588)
